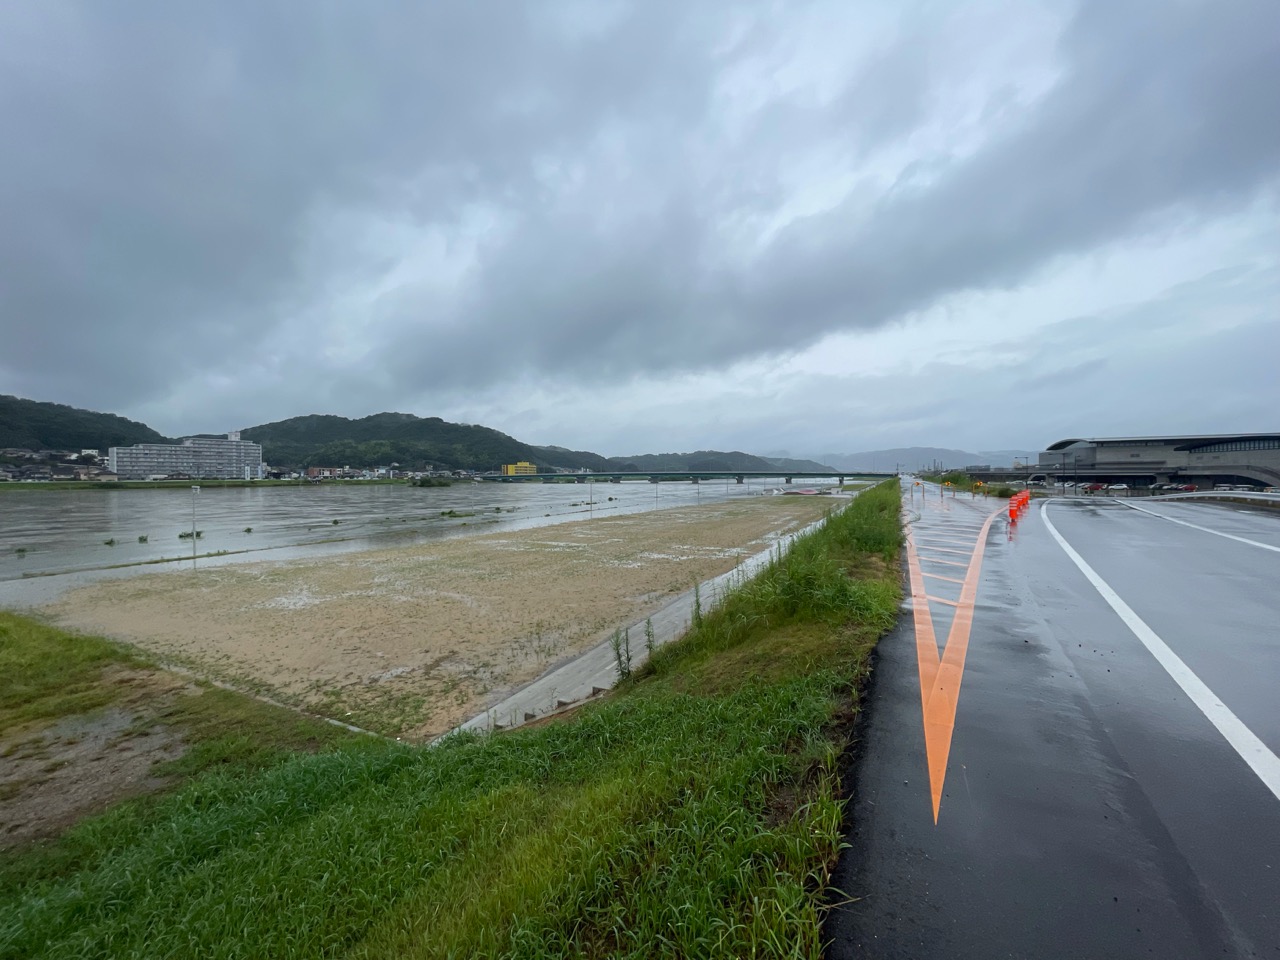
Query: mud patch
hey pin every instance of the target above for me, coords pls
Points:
(76, 767)
(412, 641)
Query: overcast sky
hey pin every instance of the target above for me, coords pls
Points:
(634, 227)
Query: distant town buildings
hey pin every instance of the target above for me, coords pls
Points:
(205, 458)
(522, 468)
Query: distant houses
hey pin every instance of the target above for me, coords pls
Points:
(19, 464)
(392, 472)
(195, 458)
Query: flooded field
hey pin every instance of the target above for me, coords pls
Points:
(63, 531)
(411, 640)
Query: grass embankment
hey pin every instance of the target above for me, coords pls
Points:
(962, 481)
(695, 812)
(47, 673)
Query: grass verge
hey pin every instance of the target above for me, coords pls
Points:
(962, 481)
(48, 675)
(695, 812)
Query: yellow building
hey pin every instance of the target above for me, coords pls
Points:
(522, 469)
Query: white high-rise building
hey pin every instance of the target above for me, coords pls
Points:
(205, 458)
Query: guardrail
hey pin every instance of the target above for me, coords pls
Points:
(1267, 498)
(1218, 495)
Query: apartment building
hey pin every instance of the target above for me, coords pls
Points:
(206, 458)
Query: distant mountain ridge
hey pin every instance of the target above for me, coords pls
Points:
(35, 425)
(383, 438)
(915, 458)
(378, 440)
(711, 460)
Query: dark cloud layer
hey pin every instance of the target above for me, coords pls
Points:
(187, 189)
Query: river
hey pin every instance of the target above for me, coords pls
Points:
(54, 539)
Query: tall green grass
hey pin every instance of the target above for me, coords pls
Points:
(46, 672)
(842, 575)
(694, 813)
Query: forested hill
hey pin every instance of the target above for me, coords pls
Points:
(379, 440)
(34, 425)
(413, 442)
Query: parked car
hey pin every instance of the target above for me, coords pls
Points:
(1118, 486)
(1094, 487)
(1188, 488)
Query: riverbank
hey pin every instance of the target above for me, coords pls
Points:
(696, 811)
(412, 641)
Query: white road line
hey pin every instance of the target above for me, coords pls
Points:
(1196, 526)
(1251, 750)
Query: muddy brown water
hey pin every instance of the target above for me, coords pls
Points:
(82, 535)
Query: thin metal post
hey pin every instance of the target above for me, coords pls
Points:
(195, 489)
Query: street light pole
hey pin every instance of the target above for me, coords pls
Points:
(195, 489)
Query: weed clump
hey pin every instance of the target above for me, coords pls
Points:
(839, 574)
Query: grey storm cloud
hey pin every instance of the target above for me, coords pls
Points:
(183, 185)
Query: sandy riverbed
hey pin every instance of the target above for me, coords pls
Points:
(412, 641)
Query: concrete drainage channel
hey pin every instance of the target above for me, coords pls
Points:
(596, 671)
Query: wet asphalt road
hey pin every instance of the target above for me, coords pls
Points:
(1089, 807)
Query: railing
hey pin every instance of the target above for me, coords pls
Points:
(1220, 495)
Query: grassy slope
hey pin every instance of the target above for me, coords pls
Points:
(962, 481)
(695, 812)
(46, 673)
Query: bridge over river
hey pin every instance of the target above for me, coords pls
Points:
(687, 476)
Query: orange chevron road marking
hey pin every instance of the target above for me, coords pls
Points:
(940, 677)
